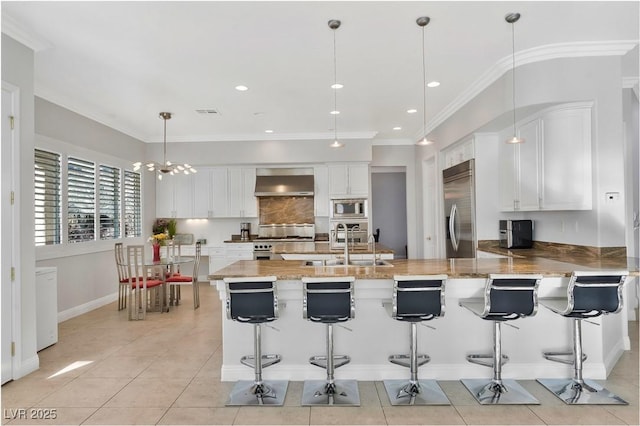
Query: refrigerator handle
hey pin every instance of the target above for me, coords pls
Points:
(452, 228)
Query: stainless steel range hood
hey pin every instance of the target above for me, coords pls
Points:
(271, 182)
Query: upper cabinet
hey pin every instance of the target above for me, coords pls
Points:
(349, 179)
(459, 153)
(321, 190)
(210, 193)
(551, 170)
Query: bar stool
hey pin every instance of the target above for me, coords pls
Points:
(254, 301)
(329, 300)
(415, 299)
(589, 295)
(506, 297)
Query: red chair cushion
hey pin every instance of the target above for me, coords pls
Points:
(179, 279)
(150, 283)
(126, 280)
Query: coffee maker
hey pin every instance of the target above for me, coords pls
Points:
(245, 231)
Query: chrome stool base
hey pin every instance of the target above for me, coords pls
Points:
(248, 392)
(503, 392)
(573, 392)
(422, 392)
(338, 392)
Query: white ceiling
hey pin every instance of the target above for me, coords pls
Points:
(121, 63)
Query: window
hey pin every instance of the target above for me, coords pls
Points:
(47, 198)
(109, 193)
(81, 207)
(132, 205)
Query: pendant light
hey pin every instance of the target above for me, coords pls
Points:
(422, 22)
(334, 24)
(166, 167)
(512, 18)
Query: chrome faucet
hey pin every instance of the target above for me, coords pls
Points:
(372, 240)
(346, 242)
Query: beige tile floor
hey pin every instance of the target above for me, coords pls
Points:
(166, 370)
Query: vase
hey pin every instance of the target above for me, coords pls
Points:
(156, 252)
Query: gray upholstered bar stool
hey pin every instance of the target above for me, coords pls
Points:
(416, 298)
(254, 301)
(506, 297)
(329, 300)
(589, 295)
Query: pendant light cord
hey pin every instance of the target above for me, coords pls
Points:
(513, 75)
(335, 90)
(424, 89)
(164, 164)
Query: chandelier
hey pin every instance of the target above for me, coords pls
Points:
(166, 167)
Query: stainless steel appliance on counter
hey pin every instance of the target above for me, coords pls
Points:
(459, 210)
(270, 234)
(356, 234)
(348, 208)
(245, 231)
(516, 234)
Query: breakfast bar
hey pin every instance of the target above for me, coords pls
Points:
(373, 335)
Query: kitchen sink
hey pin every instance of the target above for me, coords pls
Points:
(340, 262)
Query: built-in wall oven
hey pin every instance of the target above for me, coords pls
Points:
(348, 208)
(353, 232)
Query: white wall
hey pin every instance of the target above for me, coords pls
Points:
(87, 277)
(17, 69)
(557, 81)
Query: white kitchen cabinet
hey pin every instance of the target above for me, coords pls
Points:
(241, 189)
(219, 191)
(174, 196)
(551, 170)
(202, 193)
(349, 179)
(321, 191)
(217, 259)
(459, 152)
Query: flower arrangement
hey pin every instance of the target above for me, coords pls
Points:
(158, 238)
(164, 226)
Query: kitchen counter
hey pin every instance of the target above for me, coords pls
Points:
(323, 247)
(454, 268)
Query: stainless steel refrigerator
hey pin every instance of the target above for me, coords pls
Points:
(459, 209)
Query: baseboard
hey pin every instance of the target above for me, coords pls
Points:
(26, 367)
(87, 307)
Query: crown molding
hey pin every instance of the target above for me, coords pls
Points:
(535, 54)
(272, 137)
(29, 38)
(395, 142)
(630, 82)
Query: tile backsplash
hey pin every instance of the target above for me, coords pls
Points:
(286, 210)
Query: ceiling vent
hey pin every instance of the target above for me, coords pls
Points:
(208, 111)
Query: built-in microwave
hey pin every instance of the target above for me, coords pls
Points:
(356, 233)
(349, 208)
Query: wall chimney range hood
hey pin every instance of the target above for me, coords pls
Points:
(272, 182)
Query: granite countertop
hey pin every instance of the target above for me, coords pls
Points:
(323, 248)
(454, 268)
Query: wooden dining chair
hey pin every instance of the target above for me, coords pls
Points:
(123, 276)
(176, 280)
(140, 281)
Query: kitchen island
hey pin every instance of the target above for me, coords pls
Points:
(372, 335)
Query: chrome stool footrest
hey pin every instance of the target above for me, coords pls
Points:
(575, 392)
(336, 392)
(267, 360)
(321, 360)
(405, 360)
(420, 392)
(554, 356)
(498, 392)
(480, 359)
(248, 392)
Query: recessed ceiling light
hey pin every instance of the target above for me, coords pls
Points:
(242, 88)
(337, 86)
(334, 112)
(433, 84)
(397, 128)
(412, 111)
(268, 131)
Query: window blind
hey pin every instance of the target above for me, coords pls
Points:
(81, 200)
(132, 205)
(109, 195)
(47, 205)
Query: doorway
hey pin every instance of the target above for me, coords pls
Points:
(9, 97)
(389, 208)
